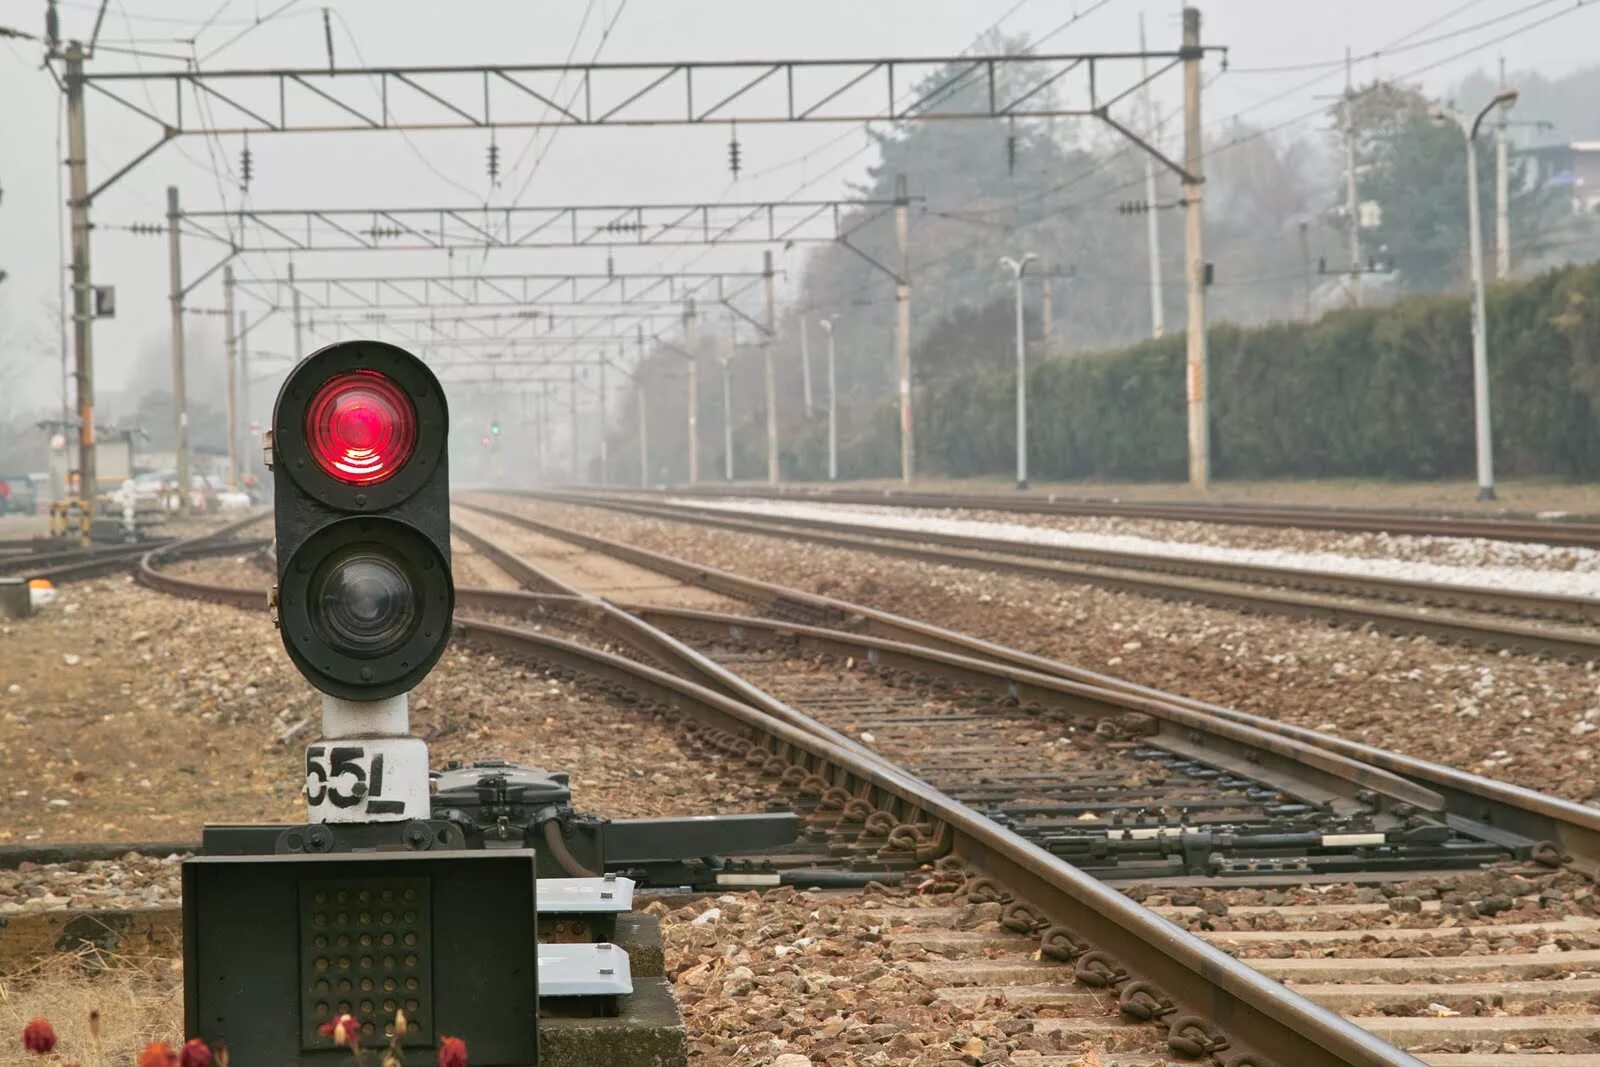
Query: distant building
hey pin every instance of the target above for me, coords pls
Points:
(1574, 167)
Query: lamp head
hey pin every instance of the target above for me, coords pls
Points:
(1506, 98)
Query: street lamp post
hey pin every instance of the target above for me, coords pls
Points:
(1018, 269)
(1480, 342)
(833, 406)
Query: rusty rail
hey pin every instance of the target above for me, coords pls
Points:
(1574, 828)
(1227, 1012)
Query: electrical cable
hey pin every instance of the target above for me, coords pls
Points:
(206, 24)
(572, 50)
(171, 20)
(1394, 49)
(259, 22)
(410, 143)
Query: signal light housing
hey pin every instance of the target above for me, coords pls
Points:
(360, 427)
(364, 597)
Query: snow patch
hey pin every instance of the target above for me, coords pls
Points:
(1582, 583)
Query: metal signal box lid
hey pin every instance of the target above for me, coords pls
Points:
(585, 896)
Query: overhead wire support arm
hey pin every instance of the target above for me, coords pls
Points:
(314, 229)
(892, 274)
(519, 290)
(761, 327)
(618, 94)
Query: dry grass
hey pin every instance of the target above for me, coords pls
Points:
(139, 1001)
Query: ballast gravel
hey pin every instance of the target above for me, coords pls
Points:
(177, 713)
(1517, 718)
(1529, 568)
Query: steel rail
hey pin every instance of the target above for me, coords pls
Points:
(1291, 766)
(1583, 532)
(1470, 799)
(1573, 644)
(1253, 1019)
(1564, 607)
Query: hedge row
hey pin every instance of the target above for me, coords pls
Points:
(1370, 393)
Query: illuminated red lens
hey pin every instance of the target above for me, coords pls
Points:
(361, 427)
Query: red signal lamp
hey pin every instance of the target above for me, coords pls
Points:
(360, 427)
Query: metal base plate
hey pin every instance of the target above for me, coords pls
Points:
(587, 970)
(585, 896)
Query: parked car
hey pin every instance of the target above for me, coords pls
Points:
(18, 494)
(208, 492)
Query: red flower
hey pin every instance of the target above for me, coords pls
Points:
(194, 1054)
(39, 1036)
(158, 1054)
(344, 1030)
(452, 1052)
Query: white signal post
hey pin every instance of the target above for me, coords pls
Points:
(833, 406)
(1480, 346)
(367, 767)
(1018, 268)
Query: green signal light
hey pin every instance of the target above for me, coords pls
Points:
(494, 428)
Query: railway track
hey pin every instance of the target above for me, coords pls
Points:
(1118, 966)
(1265, 846)
(65, 565)
(1487, 617)
(1578, 531)
(1403, 951)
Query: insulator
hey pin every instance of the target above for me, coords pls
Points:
(733, 152)
(1011, 148)
(494, 161)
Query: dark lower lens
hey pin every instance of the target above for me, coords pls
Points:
(363, 603)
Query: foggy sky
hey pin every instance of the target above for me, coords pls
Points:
(616, 165)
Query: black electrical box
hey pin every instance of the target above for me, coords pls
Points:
(274, 947)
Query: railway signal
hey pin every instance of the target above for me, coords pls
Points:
(364, 597)
(369, 907)
(401, 892)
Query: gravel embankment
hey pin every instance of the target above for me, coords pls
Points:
(132, 716)
(1517, 718)
(804, 979)
(1451, 560)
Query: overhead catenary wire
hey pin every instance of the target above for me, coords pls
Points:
(1396, 48)
(262, 21)
(907, 92)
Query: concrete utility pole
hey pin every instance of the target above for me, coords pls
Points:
(572, 393)
(243, 335)
(691, 341)
(1047, 309)
(82, 288)
(1195, 254)
(605, 457)
(180, 391)
(1018, 268)
(231, 349)
(294, 295)
(1502, 192)
(1352, 207)
(1305, 262)
(544, 430)
(769, 343)
(727, 405)
(902, 334)
(644, 432)
(805, 361)
(1480, 327)
(1152, 133)
(833, 406)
